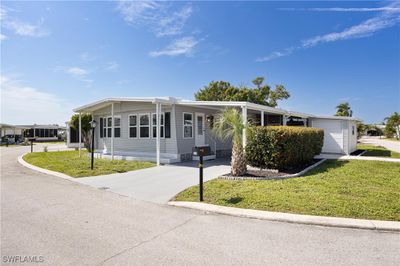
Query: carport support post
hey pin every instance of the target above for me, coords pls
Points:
(262, 118)
(244, 118)
(201, 177)
(112, 131)
(158, 107)
(80, 134)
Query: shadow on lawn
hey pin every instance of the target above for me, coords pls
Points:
(234, 200)
(378, 152)
(327, 166)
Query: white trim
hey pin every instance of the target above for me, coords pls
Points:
(148, 114)
(183, 125)
(129, 126)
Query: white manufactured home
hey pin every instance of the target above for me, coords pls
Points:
(127, 128)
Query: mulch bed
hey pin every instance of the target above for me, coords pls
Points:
(256, 173)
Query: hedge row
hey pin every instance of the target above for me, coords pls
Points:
(282, 147)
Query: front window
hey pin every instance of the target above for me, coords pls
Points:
(144, 126)
(109, 123)
(133, 126)
(154, 125)
(117, 127)
(187, 125)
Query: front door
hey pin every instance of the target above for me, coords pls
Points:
(200, 130)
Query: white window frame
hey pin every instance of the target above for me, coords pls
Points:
(120, 126)
(149, 126)
(137, 126)
(155, 125)
(183, 125)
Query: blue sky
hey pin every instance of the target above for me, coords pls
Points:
(59, 55)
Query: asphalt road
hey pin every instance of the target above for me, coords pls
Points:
(67, 223)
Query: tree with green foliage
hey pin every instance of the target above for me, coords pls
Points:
(344, 109)
(393, 125)
(229, 124)
(261, 94)
(361, 128)
(85, 126)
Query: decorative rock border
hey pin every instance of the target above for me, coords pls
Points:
(229, 177)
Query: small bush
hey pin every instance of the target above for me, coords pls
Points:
(282, 147)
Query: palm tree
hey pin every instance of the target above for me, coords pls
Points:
(229, 124)
(343, 109)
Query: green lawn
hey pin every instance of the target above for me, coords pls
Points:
(377, 151)
(69, 163)
(356, 189)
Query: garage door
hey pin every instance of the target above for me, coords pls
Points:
(333, 135)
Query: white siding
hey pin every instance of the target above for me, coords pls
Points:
(352, 136)
(333, 134)
(185, 145)
(125, 144)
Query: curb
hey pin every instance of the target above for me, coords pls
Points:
(44, 171)
(292, 218)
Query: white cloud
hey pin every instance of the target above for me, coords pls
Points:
(111, 66)
(158, 16)
(388, 17)
(364, 29)
(76, 71)
(276, 55)
(22, 28)
(21, 104)
(173, 24)
(182, 46)
(2, 37)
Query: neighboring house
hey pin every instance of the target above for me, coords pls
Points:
(127, 127)
(12, 133)
(44, 132)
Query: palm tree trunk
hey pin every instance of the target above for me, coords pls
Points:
(238, 161)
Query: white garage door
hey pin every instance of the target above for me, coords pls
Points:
(333, 135)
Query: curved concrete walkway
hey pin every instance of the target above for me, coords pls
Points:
(72, 224)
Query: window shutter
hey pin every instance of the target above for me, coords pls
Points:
(167, 123)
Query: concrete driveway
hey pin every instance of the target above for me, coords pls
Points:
(376, 141)
(157, 184)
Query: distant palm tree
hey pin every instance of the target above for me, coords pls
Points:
(344, 109)
(229, 124)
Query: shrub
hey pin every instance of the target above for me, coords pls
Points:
(282, 147)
